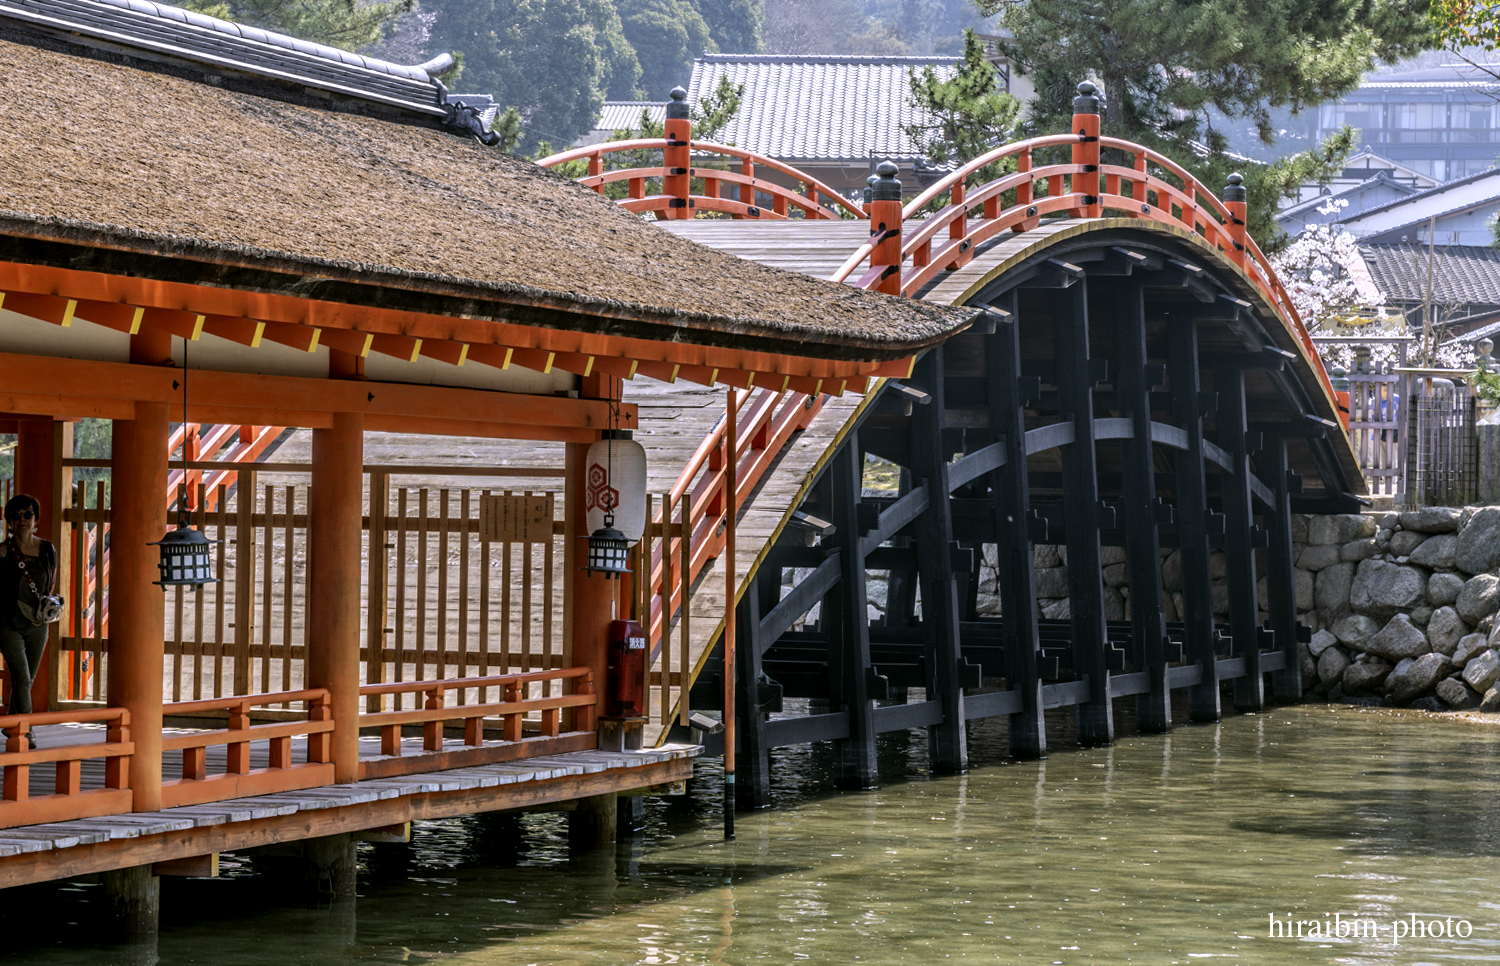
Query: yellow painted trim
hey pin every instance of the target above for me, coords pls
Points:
(369, 341)
(588, 367)
(634, 365)
(198, 327)
(463, 353)
(713, 377)
(506, 364)
(676, 367)
(313, 346)
(548, 367)
(818, 389)
(416, 350)
(67, 319)
(135, 320)
(260, 328)
(785, 381)
(2, 301)
(749, 382)
(843, 384)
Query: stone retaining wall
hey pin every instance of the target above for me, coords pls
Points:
(1402, 605)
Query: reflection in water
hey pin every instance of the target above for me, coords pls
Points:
(1158, 850)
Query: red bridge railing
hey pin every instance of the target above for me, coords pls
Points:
(911, 246)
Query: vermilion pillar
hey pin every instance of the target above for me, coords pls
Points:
(1086, 151)
(677, 157)
(138, 518)
(590, 606)
(334, 512)
(885, 228)
(41, 445)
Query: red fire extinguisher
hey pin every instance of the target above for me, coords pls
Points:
(625, 696)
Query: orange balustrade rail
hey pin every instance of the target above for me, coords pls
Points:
(69, 800)
(685, 204)
(239, 777)
(516, 704)
(767, 422)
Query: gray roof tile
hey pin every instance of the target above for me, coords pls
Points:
(1462, 274)
(819, 108)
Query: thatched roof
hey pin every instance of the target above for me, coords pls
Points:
(118, 159)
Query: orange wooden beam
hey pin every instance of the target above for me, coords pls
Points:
(354, 343)
(193, 300)
(45, 308)
(247, 332)
(303, 338)
(112, 315)
(40, 382)
(184, 325)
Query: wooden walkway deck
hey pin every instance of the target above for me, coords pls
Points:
(38, 853)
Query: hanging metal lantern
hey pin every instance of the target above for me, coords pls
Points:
(616, 489)
(186, 560)
(609, 550)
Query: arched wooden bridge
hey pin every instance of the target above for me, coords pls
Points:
(1139, 379)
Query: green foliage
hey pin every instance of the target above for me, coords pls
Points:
(1486, 385)
(1493, 226)
(666, 35)
(348, 24)
(1459, 24)
(968, 113)
(549, 59)
(511, 130)
(734, 25)
(1168, 66)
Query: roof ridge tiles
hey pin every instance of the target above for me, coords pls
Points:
(877, 59)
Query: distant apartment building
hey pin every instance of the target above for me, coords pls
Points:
(1442, 122)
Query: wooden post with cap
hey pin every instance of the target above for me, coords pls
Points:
(1235, 201)
(885, 228)
(1086, 150)
(677, 156)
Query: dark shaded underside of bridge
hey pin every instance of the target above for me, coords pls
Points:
(1130, 388)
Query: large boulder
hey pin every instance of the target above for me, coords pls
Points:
(1302, 581)
(1419, 677)
(1052, 582)
(1357, 550)
(1405, 542)
(1321, 641)
(1315, 558)
(1309, 666)
(1398, 639)
(1444, 630)
(1383, 589)
(1171, 571)
(1436, 552)
(1443, 589)
(1491, 700)
(1047, 555)
(1479, 542)
(1470, 647)
(1116, 575)
(1457, 695)
(1332, 664)
(1483, 671)
(1356, 629)
(1365, 678)
(1332, 587)
(1431, 519)
(1340, 529)
(1058, 610)
(1114, 604)
(1479, 598)
(1112, 555)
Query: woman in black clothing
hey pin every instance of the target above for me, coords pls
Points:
(22, 641)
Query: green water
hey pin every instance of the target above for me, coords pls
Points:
(1162, 850)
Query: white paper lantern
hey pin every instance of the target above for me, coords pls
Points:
(616, 481)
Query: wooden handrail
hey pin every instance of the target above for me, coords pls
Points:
(69, 800)
(244, 702)
(597, 151)
(510, 711)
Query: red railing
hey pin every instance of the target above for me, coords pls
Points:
(69, 800)
(239, 778)
(686, 204)
(517, 703)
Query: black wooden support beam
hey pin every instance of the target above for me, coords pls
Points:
(1189, 404)
(1281, 587)
(848, 621)
(809, 591)
(1148, 623)
(1012, 518)
(1239, 544)
(947, 742)
(753, 782)
(1075, 382)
